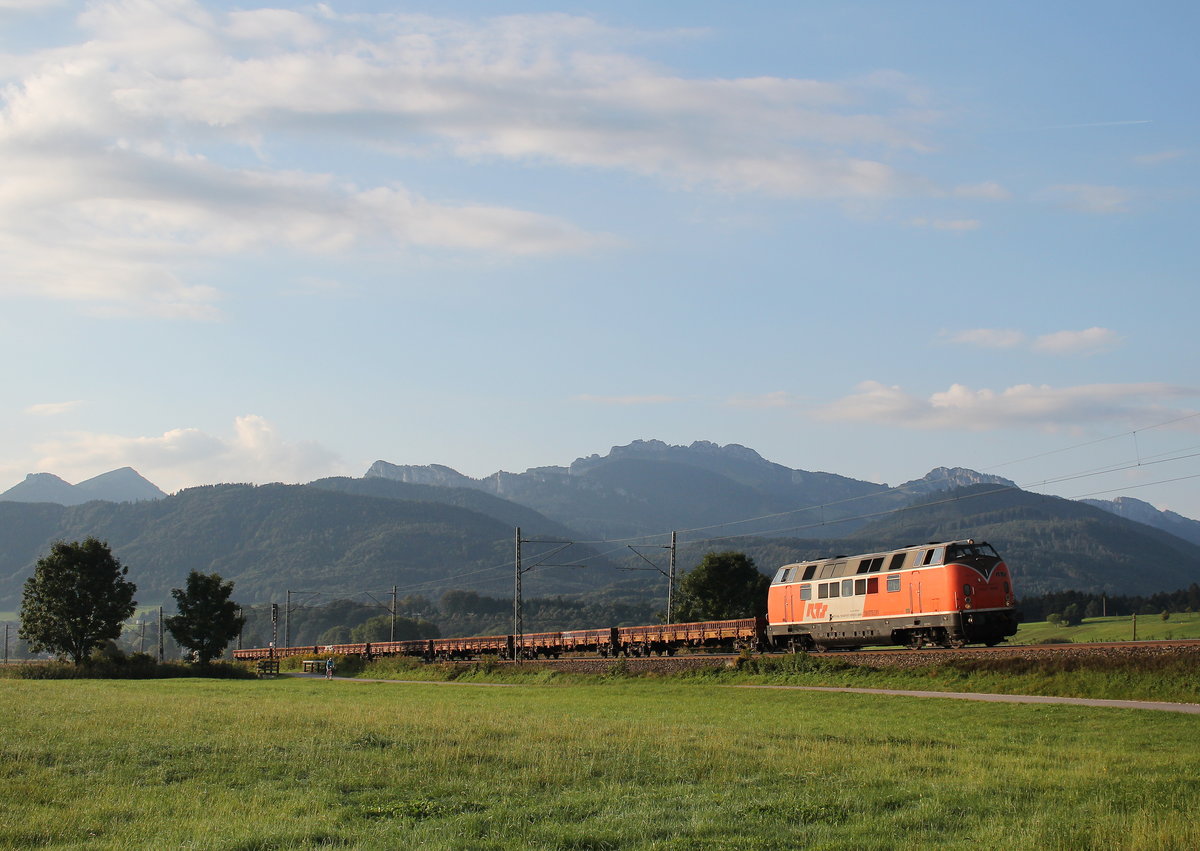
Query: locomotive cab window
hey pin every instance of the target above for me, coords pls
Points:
(805, 592)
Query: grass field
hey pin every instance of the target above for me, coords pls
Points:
(620, 765)
(1149, 628)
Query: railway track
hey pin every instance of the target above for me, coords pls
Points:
(887, 658)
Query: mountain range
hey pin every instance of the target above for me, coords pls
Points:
(429, 529)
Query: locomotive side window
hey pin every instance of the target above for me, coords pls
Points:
(876, 564)
(893, 583)
(934, 556)
(822, 590)
(860, 586)
(826, 570)
(873, 585)
(805, 592)
(833, 589)
(847, 587)
(864, 565)
(897, 561)
(808, 573)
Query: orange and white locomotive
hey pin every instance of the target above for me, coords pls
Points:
(947, 594)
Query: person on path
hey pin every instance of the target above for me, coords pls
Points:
(329, 669)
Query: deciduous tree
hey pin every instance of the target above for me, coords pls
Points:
(722, 586)
(76, 599)
(208, 620)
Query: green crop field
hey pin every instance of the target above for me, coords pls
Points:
(655, 764)
(1149, 628)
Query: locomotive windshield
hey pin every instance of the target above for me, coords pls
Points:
(958, 552)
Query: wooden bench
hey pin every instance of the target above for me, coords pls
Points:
(268, 667)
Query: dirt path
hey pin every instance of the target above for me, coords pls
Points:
(1188, 708)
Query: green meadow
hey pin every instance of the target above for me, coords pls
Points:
(608, 764)
(1149, 628)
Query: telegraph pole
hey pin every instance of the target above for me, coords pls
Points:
(287, 621)
(141, 642)
(392, 635)
(160, 634)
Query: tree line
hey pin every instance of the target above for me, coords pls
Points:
(1071, 606)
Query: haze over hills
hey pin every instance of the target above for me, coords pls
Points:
(430, 529)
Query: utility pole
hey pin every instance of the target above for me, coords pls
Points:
(141, 642)
(670, 573)
(392, 635)
(274, 626)
(160, 634)
(518, 603)
(6, 644)
(671, 582)
(287, 621)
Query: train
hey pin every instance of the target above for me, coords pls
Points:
(938, 594)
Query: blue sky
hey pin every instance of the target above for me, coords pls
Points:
(243, 243)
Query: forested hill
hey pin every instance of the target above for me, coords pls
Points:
(277, 537)
(1050, 543)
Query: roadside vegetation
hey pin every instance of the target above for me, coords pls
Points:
(293, 763)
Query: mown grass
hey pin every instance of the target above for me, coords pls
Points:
(623, 765)
(1149, 628)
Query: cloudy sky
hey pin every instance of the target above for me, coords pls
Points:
(243, 243)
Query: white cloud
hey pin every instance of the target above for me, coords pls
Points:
(1086, 342)
(53, 409)
(776, 399)
(626, 401)
(1159, 157)
(1089, 198)
(181, 457)
(1089, 341)
(989, 338)
(119, 176)
(1020, 406)
(946, 224)
(989, 190)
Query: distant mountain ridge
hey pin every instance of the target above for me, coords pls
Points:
(1144, 512)
(122, 485)
(648, 486)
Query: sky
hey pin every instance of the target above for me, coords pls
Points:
(275, 243)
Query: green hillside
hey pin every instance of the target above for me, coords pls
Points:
(277, 537)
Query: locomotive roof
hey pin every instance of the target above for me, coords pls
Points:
(873, 554)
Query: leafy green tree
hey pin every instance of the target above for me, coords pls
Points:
(1071, 615)
(76, 599)
(722, 586)
(208, 620)
(379, 628)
